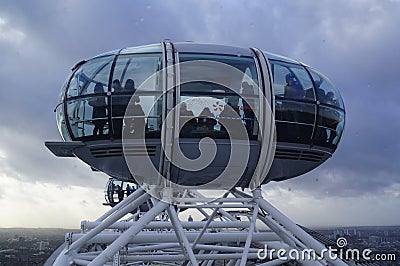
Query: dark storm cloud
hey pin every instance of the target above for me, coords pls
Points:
(54, 36)
(354, 43)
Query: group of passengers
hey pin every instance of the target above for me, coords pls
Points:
(208, 124)
(294, 90)
(117, 189)
(134, 126)
(328, 121)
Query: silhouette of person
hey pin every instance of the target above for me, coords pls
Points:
(128, 190)
(187, 125)
(206, 119)
(293, 88)
(120, 193)
(320, 92)
(230, 120)
(247, 88)
(129, 85)
(99, 110)
(116, 85)
(184, 111)
(118, 108)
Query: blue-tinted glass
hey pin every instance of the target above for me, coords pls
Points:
(62, 128)
(88, 75)
(137, 117)
(292, 81)
(88, 116)
(206, 100)
(294, 121)
(330, 127)
(151, 48)
(132, 71)
(326, 91)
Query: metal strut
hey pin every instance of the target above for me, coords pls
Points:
(236, 229)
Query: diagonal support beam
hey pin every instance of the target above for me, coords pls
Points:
(109, 221)
(181, 235)
(249, 236)
(125, 237)
(295, 229)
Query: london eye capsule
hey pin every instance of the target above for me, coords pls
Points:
(169, 100)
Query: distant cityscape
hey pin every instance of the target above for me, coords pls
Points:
(30, 247)
(383, 240)
(23, 246)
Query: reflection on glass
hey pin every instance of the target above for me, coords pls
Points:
(144, 49)
(212, 116)
(88, 75)
(292, 81)
(326, 92)
(62, 128)
(219, 99)
(88, 117)
(217, 78)
(330, 127)
(294, 121)
(99, 111)
(132, 70)
(137, 117)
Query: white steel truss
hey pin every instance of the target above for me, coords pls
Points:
(235, 229)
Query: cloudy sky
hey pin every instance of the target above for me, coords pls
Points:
(355, 43)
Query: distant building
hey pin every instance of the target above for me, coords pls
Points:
(42, 245)
(375, 239)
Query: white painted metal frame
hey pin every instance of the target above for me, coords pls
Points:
(227, 231)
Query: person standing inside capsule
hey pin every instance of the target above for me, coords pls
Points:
(293, 88)
(117, 108)
(99, 110)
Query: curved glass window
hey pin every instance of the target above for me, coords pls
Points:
(294, 121)
(62, 91)
(144, 114)
(88, 75)
(88, 116)
(61, 125)
(294, 113)
(292, 81)
(132, 70)
(330, 127)
(62, 128)
(206, 99)
(90, 104)
(151, 48)
(326, 92)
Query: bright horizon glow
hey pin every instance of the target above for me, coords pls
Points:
(46, 205)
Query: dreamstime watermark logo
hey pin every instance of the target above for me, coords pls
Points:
(215, 111)
(330, 253)
(341, 242)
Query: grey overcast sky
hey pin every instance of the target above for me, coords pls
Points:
(355, 43)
